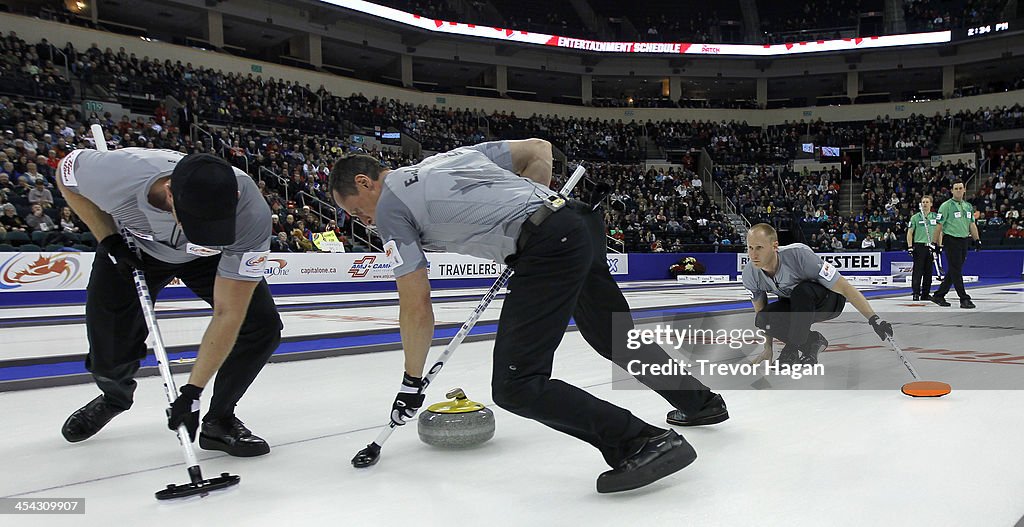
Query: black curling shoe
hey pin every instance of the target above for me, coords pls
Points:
(816, 343)
(714, 411)
(89, 419)
(653, 458)
(230, 435)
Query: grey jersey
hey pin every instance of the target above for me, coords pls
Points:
(465, 201)
(797, 263)
(118, 182)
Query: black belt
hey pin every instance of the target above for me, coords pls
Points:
(552, 205)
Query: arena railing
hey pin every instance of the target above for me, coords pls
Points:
(782, 184)
(730, 206)
(306, 198)
(612, 243)
(196, 128)
(974, 181)
(270, 174)
(10, 85)
(246, 159)
(366, 238)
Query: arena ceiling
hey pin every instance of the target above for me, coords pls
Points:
(369, 48)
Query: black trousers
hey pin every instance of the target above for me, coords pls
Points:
(562, 272)
(956, 253)
(924, 264)
(117, 330)
(790, 319)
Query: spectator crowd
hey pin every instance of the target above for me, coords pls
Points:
(286, 136)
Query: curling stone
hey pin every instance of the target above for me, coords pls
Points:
(456, 423)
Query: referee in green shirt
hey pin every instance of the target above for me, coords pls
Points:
(919, 243)
(956, 221)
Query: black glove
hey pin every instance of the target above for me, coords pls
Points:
(408, 400)
(119, 252)
(977, 244)
(910, 249)
(936, 248)
(185, 409)
(882, 328)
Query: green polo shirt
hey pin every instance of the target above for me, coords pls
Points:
(956, 218)
(923, 232)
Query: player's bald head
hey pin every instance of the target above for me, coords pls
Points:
(765, 232)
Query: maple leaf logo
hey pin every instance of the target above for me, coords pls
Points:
(16, 272)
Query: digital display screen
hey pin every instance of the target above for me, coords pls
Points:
(519, 36)
(986, 30)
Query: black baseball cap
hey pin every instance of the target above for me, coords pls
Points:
(205, 195)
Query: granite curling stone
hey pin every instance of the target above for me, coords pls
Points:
(456, 423)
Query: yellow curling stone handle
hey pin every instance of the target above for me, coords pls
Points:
(458, 403)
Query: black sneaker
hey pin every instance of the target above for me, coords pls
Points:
(926, 297)
(230, 435)
(89, 419)
(653, 459)
(967, 304)
(940, 300)
(714, 411)
(917, 297)
(816, 343)
(790, 355)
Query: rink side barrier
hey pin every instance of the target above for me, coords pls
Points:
(61, 278)
(40, 372)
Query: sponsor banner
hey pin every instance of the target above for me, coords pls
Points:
(44, 271)
(447, 265)
(365, 268)
(841, 261)
(618, 263)
(902, 269)
(702, 278)
(674, 48)
(70, 271)
(870, 280)
(854, 261)
(283, 268)
(294, 268)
